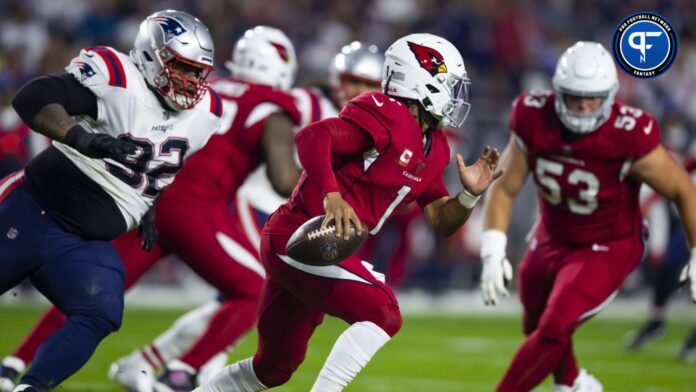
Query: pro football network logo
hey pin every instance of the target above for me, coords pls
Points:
(645, 44)
(170, 26)
(429, 59)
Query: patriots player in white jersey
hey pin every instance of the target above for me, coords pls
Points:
(357, 68)
(121, 126)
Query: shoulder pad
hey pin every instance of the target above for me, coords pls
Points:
(379, 115)
(215, 102)
(637, 130)
(526, 109)
(98, 65)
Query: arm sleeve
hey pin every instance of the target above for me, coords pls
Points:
(435, 190)
(318, 141)
(61, 89)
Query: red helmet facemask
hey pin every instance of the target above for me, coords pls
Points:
(183, 80)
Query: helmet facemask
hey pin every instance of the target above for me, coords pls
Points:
(174, 52)
(585, 70)
(583, 123)
(181, 82)
(430, 70)
(455, 111)
(450, 93)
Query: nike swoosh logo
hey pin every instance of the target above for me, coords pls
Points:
(648, 128)
(600, 248)
(378, 103)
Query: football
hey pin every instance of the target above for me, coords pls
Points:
(313, 245)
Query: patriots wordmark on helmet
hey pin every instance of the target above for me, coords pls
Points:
(429, 59)
(170, 26)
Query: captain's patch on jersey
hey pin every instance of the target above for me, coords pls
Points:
(405, 157)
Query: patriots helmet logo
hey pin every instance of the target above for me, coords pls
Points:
(282, 51)
(86, 70)
(429, 59)
(170, 26)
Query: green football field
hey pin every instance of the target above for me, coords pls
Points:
(432, 353)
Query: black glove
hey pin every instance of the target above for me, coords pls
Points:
(148, 230)
(98, 145)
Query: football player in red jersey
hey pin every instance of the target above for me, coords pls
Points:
(384, 150)
(199, 335)
(193, 217)
(589, 155)
(356, 69)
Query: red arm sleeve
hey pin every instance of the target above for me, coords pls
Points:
(316, 143)
(435, 190)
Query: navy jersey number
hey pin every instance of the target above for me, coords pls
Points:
(139, 176)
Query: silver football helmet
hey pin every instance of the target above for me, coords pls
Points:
(174, 52)
(359, 60)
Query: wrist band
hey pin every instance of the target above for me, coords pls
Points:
(73, 135)
(467, 199)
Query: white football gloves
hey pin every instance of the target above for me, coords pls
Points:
(497, 270)
(689, 273)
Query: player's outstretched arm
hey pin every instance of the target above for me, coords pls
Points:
(46, 105)
(497, 207)
(497, 270)
(661, 172)
(447, 214)
(315, 145)
(279, 147)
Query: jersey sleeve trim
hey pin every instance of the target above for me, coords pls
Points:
(117, 75)
(215, 102)
(315, 108)
(520, 143)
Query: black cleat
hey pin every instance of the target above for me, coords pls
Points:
(178, 380)
(652, 330)
(9, 377)
(688, 350)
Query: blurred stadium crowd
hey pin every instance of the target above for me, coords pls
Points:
(508, 46)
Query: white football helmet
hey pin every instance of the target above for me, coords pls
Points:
(428, 69)
(167, 43)
(359, 60)
(264, 55)
(585, 69)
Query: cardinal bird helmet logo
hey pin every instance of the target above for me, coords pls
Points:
(282, 51)
(429, 59)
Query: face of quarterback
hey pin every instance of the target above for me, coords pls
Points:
(352, 86)
(583, 105)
